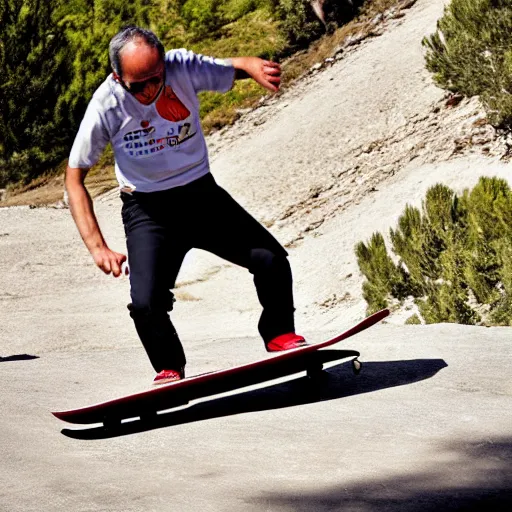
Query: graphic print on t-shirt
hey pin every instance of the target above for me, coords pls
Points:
(170, 107)
(152, 139)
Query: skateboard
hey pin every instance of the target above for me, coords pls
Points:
(145, 405)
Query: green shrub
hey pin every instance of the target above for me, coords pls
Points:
(383, 276)
(33, 53)
(297, 21)
(454, 255)
(202, 16)
(235, 9)
(413, 320)
(502, 313)
(471, 53)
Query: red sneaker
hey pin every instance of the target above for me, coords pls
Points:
(286, 342)
(166, 376)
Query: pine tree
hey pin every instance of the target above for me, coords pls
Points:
(455, 254)
(471, 53)
(33, 59)
(89, 25)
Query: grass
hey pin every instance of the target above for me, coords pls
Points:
(254, 34)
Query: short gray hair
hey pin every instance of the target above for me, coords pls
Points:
(124, 36)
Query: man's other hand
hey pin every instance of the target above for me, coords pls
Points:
(109, 261)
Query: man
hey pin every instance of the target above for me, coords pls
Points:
(148, 110)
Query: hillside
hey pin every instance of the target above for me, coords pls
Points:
(339, 156)
(323, 165)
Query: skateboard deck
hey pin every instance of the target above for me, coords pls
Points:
(146, 404)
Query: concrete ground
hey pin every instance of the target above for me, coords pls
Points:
(425, 426)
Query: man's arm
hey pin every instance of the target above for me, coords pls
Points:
(265, 72)
(82, 209)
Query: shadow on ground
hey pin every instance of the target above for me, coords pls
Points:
(18, 357)
(477, 476)
(338, 382)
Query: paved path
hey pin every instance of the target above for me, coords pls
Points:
(425, 426)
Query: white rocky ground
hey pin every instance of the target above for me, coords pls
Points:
(324, 165)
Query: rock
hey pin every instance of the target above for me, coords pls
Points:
(354, 39)
(390, 14)
(407, 4)
(454, 100)
(480, 140)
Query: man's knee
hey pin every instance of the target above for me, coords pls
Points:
(149, 307)
(266, 261)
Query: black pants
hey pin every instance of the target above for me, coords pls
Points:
(161, 227)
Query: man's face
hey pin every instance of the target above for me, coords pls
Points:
(143, 71)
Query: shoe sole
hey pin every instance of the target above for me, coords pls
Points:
(165, 381)
(287, 349)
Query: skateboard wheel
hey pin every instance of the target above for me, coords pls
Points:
(356, 366)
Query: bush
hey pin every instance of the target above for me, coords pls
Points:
(202, 16)
(235, 9)
(471, 53)
(413, 320)
(383, 276)
(454, 257)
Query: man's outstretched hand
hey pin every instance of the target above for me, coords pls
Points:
(110, 262)
(265, 72)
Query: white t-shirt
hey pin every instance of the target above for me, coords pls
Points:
(157, 146)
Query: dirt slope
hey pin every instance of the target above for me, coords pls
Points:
(324, 165)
